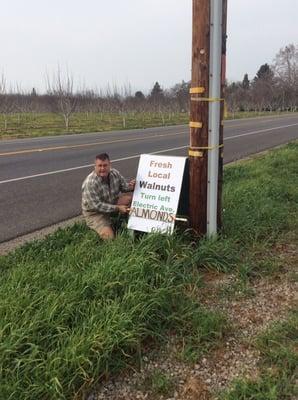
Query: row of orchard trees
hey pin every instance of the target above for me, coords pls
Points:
(274, 87)
(62, 98)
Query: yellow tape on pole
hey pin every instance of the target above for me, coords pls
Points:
(209, 99)
(193, 124)
(207, 147)
(192, 153)
(196, 90)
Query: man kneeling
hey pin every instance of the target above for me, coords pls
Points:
(104, 191)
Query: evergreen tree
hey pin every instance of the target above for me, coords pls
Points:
(156, 92)
(264, 73)
(245, 82)
(139, 95)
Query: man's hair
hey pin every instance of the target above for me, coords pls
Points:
(102, 157)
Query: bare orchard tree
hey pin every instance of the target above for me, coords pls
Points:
(181, 92)
(61, 89)
(25, 102)
(233, 96)
(125, 103)
(285, 67)
(7, 101)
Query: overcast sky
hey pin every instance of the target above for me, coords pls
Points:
(136, 42)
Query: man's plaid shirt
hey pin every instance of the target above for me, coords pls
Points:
(99, 195)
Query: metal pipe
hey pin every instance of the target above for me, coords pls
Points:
(214, 113)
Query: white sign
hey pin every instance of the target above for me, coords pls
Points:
(156, 195)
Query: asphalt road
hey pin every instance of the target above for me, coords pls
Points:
(40, 179)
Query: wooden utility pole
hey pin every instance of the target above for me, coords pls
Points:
(205, 109)
(198, 153)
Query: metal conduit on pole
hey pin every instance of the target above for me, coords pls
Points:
(222, 112)
(214, 113)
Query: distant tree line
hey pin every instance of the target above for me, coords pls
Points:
(275, 87)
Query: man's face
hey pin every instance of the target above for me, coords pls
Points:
(102, 168)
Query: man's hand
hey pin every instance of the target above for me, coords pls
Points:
(132, 184)
(122, 209)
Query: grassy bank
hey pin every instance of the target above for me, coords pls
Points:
(24, 125)
(74, 309)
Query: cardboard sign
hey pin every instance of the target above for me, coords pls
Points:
(156, 195)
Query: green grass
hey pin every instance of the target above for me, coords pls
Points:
(43, 124)
(261, 208)
(278, 369)
(22, 125)
(260, 197)
(74, 309)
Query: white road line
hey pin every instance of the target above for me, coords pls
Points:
(263, 117)
(137, 155)
(259, 131)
